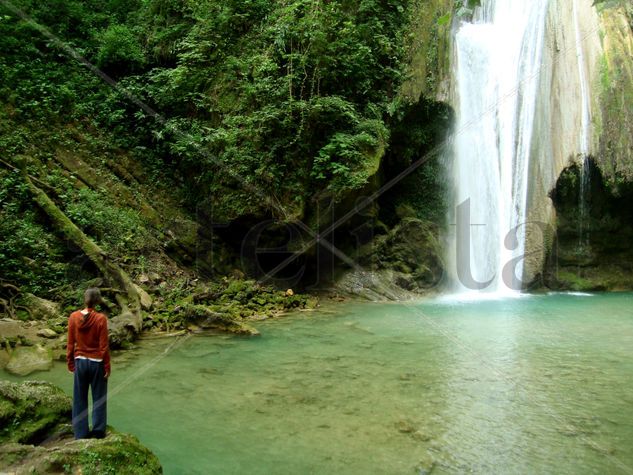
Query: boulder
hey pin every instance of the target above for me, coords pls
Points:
(42, 309)
(376, 286)
(413, 252)
(123, 328)
(26, 359)
(10, 328)
(47, 333)
(146, 300)
(208, 319)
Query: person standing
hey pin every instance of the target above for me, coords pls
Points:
(88, 357)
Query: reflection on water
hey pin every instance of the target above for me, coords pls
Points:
(535, 385)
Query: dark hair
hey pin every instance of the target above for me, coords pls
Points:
(92, 297)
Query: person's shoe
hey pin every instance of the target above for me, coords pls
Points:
(97, 434)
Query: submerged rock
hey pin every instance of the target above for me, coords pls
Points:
(405, 426)
(36, 437)
(425, 466)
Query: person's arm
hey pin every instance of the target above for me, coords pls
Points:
(70, 345)
(104, 346)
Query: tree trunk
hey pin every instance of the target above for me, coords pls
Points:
(128, 323)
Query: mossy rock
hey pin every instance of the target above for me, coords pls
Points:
(41, 309)
(37, 412)
(116, 454)
(413, 253)
(568, 280)
(601, 278)
(30, 410)
(615, 157)
(225, 305)
(240, 328)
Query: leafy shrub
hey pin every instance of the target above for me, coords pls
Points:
(30, 256)
(119, 50)
(119, 230)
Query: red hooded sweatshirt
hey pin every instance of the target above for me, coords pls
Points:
(88, 336)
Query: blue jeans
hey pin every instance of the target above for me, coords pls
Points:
(89, 374)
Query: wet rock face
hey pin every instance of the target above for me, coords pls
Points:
(606, 44)
(36, 437)
(399, 264)
(592, 250)
(413, 253)
(614, 90)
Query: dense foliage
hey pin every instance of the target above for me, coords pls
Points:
(292, 98)
(237, 107)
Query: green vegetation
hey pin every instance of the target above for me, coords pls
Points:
(94, 213)
(293, 97)
(30, 410)
(266, 108)
(616, 94)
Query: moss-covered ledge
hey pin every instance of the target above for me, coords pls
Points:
(36, 437)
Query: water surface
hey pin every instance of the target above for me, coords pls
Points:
(540, 384)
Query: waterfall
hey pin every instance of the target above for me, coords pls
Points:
(496, 69)
(583, 205)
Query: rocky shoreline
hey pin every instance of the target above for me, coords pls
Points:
(33, 342)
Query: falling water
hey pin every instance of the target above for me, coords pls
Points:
(583, 205)
(498, 60)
